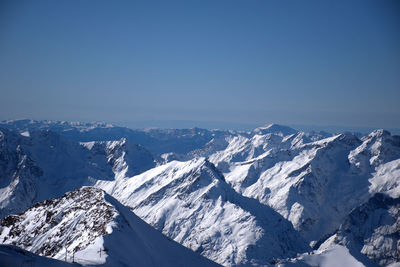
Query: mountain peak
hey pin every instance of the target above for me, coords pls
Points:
(379, 133)
(275, 129)
(87, 220)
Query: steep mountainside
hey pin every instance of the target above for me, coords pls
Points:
(43, 164)
(314, 184)
(373, 230)
(126, 159)
(18, 175)
(191, 203)
(90, 227)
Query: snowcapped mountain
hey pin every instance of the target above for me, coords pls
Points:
(18, 175)
(313, 183)
(191, 203)
(90, 227)
(274, 129)
(369, 236)
(377, 148)
(126, 159)
(305, 184)
(157, 141)
(238, 198)
(373, 229)
(44, 164)
(30, 125)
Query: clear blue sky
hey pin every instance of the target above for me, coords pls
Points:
(239, 62)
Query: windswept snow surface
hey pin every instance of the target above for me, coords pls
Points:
(98, 229)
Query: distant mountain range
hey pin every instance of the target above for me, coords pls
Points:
(270, 196)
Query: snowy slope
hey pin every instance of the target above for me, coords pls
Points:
(98, 229)
(15, 256)
(314, 184)
(191, 203)
(386, 179)
(372, 230)
(126, 159)
(18, 175)
(369, 235)
(333, 256)
(44, 164)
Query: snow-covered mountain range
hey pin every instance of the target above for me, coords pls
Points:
(270, 196)
(43, 164)
(191, 203)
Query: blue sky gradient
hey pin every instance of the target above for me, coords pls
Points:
(237, 62)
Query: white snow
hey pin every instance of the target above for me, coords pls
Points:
(386, 179)
(332, 257)
(192, 204)
(25, 133)
(98, 228)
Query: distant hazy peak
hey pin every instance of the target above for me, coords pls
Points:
(275, 128)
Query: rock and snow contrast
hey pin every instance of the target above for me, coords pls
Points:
(45, 165)
(126, 159)
(372, 229)
(91, 228)
(271, 196)
(191, 203)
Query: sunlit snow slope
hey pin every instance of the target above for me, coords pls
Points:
(93, 228)
(191, 203)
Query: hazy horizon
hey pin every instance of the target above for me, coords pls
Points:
(210, 125)
(240, 63)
